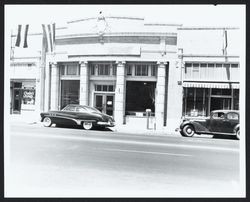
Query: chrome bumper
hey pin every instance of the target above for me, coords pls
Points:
(102, 123)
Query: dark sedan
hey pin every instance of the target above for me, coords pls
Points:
(220, 122)
(77, 115)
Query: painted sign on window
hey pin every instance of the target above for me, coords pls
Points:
(29, 96)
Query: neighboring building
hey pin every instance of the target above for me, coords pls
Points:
(124, 66)
(25, 78)
(210, 69)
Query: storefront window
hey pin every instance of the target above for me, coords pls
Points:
(69, 92)
(236, 99)
(139, 97)
(28, 96)
(195, 101)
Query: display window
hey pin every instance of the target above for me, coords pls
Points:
(201, 101)
(28, 96)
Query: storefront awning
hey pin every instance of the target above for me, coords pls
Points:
(211, 85)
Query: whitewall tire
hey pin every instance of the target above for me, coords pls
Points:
(47, 122)
(87, 125)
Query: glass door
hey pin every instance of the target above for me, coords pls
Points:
(17, 100)
(104, 103)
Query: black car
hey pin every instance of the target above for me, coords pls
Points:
(220, 122)
(77, 115)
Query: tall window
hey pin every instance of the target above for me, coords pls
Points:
(71, 69)
(103, 69)
(141, 70)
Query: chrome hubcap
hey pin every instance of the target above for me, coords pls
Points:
(87, 125)
(46, 121)
(189, 131)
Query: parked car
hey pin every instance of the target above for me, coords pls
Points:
(220, 122)
(81, 115)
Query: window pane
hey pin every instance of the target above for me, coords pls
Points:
(114, 70)
(105, 88)
(99, 87)
(129, 70)
(92, 70)
(62, 69)
(72, 70)
(110, 88)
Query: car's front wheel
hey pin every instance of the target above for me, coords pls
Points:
(238, 134)
(87, 125)
(187, 131)
(47, 122)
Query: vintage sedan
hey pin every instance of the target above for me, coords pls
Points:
(220, 122)
(78, 115)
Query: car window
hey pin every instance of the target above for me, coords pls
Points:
(81, 109)
(218, 115)
(233, 116)
(91, 109)
(69, 108)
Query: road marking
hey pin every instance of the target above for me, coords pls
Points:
(146, 152)
(84, 138)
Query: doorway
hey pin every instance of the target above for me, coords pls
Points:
(104, 103)
(17, 100)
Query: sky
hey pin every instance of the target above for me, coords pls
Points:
(187, 15)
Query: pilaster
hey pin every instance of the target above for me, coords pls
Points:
(54, 87)
(84, 83)
(119, 110)
(160, 94)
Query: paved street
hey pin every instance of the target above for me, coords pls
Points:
(67, 162)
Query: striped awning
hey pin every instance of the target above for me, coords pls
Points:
(211, 85)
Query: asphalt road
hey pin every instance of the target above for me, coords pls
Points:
(67, 162)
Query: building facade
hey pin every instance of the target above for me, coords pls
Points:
(124, 67)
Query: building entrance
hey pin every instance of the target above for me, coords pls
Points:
(104, 103)
(17, 100)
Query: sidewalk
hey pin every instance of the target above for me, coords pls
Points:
(143, 130)
(34, 119)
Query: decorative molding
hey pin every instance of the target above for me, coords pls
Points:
(162, 62)
(53, 64)
(83, 62)
(120, 62)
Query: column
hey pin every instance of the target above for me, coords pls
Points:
(160, 95)
(175, 97)
(84, 83)
(54, 93)
(120, 93)
(38, 93)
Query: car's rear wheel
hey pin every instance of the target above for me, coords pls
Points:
(188, 131)
(238, 134)
(87, 125)
(47, 122)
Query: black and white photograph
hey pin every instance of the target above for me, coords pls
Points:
(124, 101)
